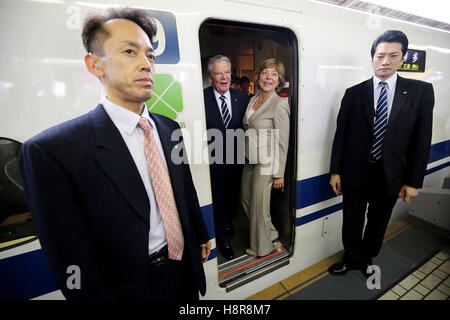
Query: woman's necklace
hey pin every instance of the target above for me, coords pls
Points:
(259, 102)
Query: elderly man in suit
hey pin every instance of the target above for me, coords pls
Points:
(380, 150)
(224, 108)
(103, 191)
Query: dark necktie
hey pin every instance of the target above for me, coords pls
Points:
(379, 129)
(226, 117)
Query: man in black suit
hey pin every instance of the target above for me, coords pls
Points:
(380, 150)
(95, 200)
(224, 108)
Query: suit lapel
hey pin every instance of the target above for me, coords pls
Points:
(114, 158)
(266, 105)
(214, 108)
(400, 96)
(367, 99)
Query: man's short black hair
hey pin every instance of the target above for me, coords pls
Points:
(94, 34)
(391, 36)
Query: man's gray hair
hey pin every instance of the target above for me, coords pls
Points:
(215, 59)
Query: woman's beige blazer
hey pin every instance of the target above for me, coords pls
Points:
(267, 134)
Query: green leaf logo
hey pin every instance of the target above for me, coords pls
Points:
(166, 99)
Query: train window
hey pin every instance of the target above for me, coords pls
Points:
(16, 224)
(247, 45)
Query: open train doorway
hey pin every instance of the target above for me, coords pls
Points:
(247, 45)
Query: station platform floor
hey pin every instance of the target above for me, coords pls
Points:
(414, 264)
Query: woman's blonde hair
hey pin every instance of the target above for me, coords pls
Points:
(271, 63)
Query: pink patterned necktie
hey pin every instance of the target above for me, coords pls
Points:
(163, 193)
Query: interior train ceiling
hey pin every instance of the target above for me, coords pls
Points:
(391, 13)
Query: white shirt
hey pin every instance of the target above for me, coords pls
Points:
(390, 90)
(227, 100)
(126, 122)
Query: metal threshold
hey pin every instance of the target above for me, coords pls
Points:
(244, 269)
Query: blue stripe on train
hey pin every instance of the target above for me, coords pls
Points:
(437, 168)
(25, 276)
(317, 189)
(208, 217)
(439, 151)
(313, 190)
(334, 208)
(28, 275)
(318, 214)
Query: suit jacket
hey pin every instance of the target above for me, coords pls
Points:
(91, 209)
(239, 101)
(407, 141)
(273, 114)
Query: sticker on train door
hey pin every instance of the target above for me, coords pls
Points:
(165, 42)
(166, 99)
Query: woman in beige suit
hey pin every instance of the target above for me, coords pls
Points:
(266, 125)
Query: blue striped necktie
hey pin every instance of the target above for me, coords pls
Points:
(379, 129)
(226, 117)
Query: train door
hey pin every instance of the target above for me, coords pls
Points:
(247, 45)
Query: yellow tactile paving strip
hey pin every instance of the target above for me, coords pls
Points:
(306, 277)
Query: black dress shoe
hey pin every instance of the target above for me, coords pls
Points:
(339, 269)
(225, 249)
(364, 270)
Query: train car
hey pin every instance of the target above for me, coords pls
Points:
(325, 49)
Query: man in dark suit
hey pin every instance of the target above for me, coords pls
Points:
(225, 108)
(96, 200)
(380, 150)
